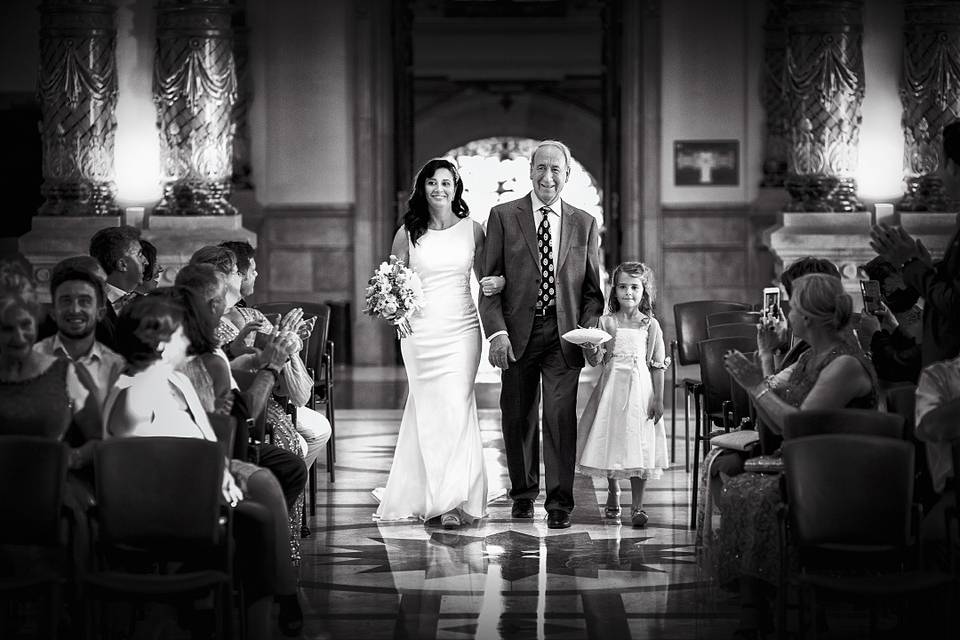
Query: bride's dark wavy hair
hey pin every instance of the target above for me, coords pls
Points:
(418, 211)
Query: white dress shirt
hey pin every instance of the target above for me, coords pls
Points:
(103, 364)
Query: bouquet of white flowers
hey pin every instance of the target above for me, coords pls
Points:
(394, 293)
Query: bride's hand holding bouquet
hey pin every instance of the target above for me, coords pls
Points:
(394, 293)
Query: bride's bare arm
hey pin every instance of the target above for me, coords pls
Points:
(400, 248)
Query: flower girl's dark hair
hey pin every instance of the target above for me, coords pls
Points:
(418, 212)
(637, 270)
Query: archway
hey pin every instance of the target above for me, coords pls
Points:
(497, 170)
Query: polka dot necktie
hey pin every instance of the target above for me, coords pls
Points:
(547, 287)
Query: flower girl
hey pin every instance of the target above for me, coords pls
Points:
(621, 433)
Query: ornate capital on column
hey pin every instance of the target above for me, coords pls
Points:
(77, 91)
(824, 76)
(195, 89)
(930, 93)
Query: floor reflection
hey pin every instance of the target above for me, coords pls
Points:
(501, 578)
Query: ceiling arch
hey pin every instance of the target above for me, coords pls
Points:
(472, 115)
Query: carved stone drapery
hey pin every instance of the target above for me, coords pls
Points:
(195, 89)
(824, 88)
(930, 93)
(242, 164)
(77, 91)
(773, 95)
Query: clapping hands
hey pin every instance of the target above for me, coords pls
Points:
(896, 245)
(746, 373)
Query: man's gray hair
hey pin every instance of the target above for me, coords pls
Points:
(559, 145)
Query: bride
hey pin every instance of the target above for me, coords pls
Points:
(438, 467)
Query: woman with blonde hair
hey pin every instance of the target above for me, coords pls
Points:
(833, 373)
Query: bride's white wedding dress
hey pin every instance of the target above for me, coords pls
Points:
(438, 464)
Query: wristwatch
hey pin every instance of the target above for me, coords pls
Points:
(273, 370)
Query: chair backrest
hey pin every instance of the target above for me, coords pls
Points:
(32, 475)
(801, 424)
(690, 320)
(902, 400)
(849, 490)
(717, 383)
(321, 334)
(733, 329)
(226, 429)
(733, 317)
(159, 491)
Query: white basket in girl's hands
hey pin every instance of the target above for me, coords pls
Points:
(394, 293)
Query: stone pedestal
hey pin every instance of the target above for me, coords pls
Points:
(51, 239)
(176, 238)
(844, 239)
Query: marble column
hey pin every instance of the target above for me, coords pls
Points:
(77, 90)
(374, 73)
(195, 89)
(824, 88)
(774, 96)
(930, 92)
(242, 165)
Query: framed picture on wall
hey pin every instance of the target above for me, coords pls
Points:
(706, 163)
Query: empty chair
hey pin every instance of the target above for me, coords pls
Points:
(159, 505)
(851, 421)
(733, 329)
(690, 322)
(851, 523)
(733, 317)
(718, 401)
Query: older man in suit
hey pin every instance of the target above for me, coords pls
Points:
(548, 251)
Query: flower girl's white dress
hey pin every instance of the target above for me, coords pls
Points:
(438, 464)
(615, 438)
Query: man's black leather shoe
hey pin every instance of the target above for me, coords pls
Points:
(558, 519)
(522, 508)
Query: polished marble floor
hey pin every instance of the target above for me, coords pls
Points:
(503, 578)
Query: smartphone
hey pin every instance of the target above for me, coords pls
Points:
(871, 295)
(771, 301)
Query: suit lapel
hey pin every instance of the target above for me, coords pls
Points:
(566, 234)
(525, 220)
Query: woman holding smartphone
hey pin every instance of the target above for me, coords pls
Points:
(832, 373)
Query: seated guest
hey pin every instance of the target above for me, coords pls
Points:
(832, 373)
(41, 395)
(247, 265)
(894, 333)
(118, 251)
(78, 303)
(152, 398)
(211, 376)
(938, 424)
(152, 269)
(48, 325)
(238, 335)
(788, 348)
(312, 426)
